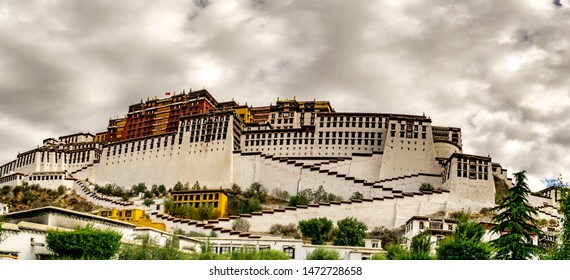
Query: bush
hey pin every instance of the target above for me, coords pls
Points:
(83, 243)
(357, 196)
(323, 254)
(61, 190)
(242, 203)
(426, 187)
(308, 196)
(241, 225)
(285, 230)
(378, 257)
(317, 229)
(149, 249)
(350, 232)
(6, 190)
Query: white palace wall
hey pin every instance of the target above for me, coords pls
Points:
(208, 163)
(377, 213)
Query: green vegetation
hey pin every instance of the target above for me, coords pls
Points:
(241, 225)
(285, 230)
(378, 256)
(186, 211)
(149, 249)
(86, 243)
(465, 243)
(562, 251)
(426, 187)
(246, 202)
(26, 197)
(308, 196)
(386, 236)
(350, 232)
(244, 254)
(516, 223)
(357, 196)
(126, 194)
(317, 229)
(420, 249)
(323, 254)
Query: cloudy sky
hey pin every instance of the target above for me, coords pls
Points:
(497, 69)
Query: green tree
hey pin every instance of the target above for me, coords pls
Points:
(240, 203)
(323, 254)
(420, 249)
(516, 223)
(258, 191)
(465, 243)
(317, 229)
(562, 250)
(351, 232)
(162, 190)
(180, 187)
(148, 202)
(86, 243)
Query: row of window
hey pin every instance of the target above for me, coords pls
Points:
(472, 169)
(210, 204)
(188, 197)
(46, 177)
(217, 249)
(138, 145)
(10, 178)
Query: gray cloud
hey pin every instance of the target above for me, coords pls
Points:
(498, 69)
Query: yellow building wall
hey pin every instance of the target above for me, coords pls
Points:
(133, 216)
(217, 200)
(245, 113)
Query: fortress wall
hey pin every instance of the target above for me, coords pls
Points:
(404, 156)
(537, 201)
(53, 184)
(389, 212)
(413, 184)
(208, 163)
(445, 150)
(86, 173)
(365, 167)
(273, 174)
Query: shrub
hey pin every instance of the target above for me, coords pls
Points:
(317, 229)
(241, 225)
(149, 249)
(83, 243)
(357, 196)
(323, 254)
(350, 232)
(378, 256)
(61, 190)
(426, 187)
(285, 230)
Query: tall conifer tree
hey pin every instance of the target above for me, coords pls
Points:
(516, 223)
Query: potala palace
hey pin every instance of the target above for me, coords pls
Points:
(290, 145)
